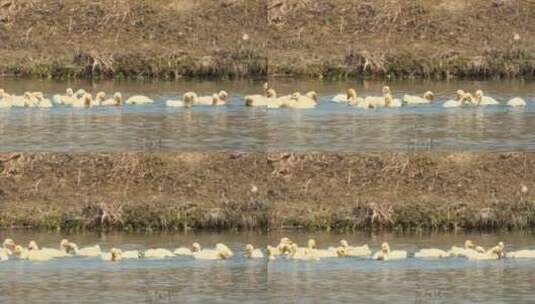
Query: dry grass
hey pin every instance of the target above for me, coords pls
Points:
(177, 191)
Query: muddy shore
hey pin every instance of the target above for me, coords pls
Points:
(314, 191)
(336, 39)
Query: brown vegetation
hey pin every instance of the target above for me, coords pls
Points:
(176, 191)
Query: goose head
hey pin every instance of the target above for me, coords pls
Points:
(33, 246)
(17, 251)
(468, 98)
(80, 93)
(249, 250)
(67, 246)
(190, 98)
(478, 96)
(223, 95)
(344, 244)
(9, 244)
(312, 95)
(70, 92)
(311, 243)
(459, 95)
(118, 97)
(224, 251)
(270, 93)
(266, 88)
(429, 96)
(116, 254)
(468, 244)
(386, 90)
(351, 94)
(341, 252)
(88, 99)
(295, 96)
(385, 248)
(216, 99)
(2, 93)
(100, 96)
(195, 247)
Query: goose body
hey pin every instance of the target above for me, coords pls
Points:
(85, 102)
(93, 251)
(50, 252)
(481, 100)
(115, 101)
(221, 252)
(298, 101)
(183, 251)
(131, 254)
(4, 256)
(159, 253)
(188, 100)
(5, 100)
(516, 102)
(431, 253)
(215, 99)
(115, 255)
(138, 100)
(66, 99)
(385, 254)
(521, 254)
(41, 101)
(341, 98)
(252, 253)
(426, 99)
(24, 101)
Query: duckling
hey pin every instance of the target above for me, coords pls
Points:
(9, 246)
(100, 98)
(521, 254)
(195, 247)
(115, 255)
(189, 99)
(516, 102)
(5, 100)
(273, 252)
(431, 253)
(358, 102)
(92, 251)
(252, 253)
(298, 101)
(386, 254)
(468, 248)
(268, 100)
(221, 252)
(41, 101)
(138, 100)
(20, 253)
(386, 101)
(323, 253)
(115, 101)
(159, 253)
(360, 251)
(210, 100)
(68, 247)
(457, 102)
(43, 254)
(481, 100)
(344, 97)
(427, 98)
(79, 94)
(301, 253)
(24, 101)
(66, 99)
(85, 102)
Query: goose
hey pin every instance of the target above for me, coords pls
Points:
(115, 255)
(273, 252)
(9, 246)
(85, 102)
(41, 101)
(24, 101)
(36, 254)
(386, 254)
(298, 101)
(344, 97)
(222, 97)
(431, 253)
(115, 101)
(189, 99)
(5, 100)
(495, 253)
(386, 101)
(330, 252)
(521, 254)
(221, 252)
(92, 251)
(138, 100)
(50, 252)
(131, 254)
(252, 253)
(252, 100)
(468, 248)
(428, 97)
(284, 246)
(457, 102)
(158, 253)
(79, 94)
(68, 247)
(516, 102)
(481, 100)
(66, 99)
(301, 253)
(195, 247)
(360, 251)
(4, 256)
(20, 253)
(268, 100)
(100, 98)
(358, 102)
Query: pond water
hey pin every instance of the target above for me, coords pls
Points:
(349, 280)
(330, 127)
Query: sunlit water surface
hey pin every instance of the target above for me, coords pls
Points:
(329, 127)
(349, 280)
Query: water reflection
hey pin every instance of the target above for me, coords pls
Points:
(330, 127)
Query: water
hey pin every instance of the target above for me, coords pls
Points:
(330, 127)
(350, 280)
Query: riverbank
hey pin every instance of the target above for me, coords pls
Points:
(313, 191)
(335, 39)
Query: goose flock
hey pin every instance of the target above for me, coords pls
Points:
(286, 249)
(268, 99)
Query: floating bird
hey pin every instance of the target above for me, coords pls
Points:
(427, 98)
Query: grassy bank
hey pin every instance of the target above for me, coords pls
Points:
(178, 191)
(338, 39)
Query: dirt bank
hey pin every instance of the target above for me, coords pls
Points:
(176, 191)
(402, 38)
(253, 38)
(133, 38)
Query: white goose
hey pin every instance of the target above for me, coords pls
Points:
(358, 102)
(359, 251)
(115, 255)
(221, 98)
(158, 253)
(3, 255)
(221, 252)
(516, 102)
(481, 100)
(115, 101)
(8, 246)
(24, 101)
(521, 254)
(386, 254)
(5, 100)
(457, 102)
(66, 99)
(139, 100)
(189, 99)
(268, 100)
(85, 102)
(298, 101)
(50, 252)
(468, 248)
(41, 101)
(252, 253)
(431, 253)
(427, 98)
